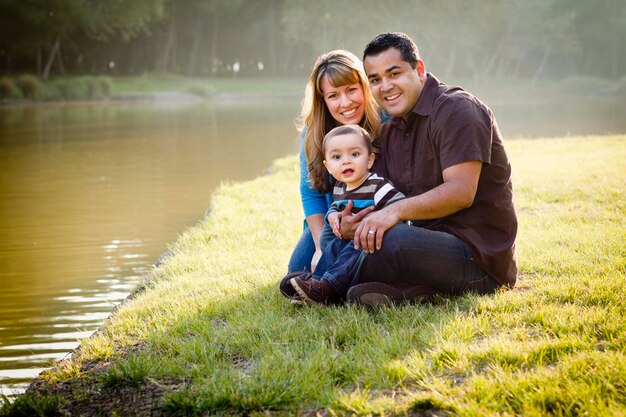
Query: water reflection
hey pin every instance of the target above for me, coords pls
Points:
(90, 195)
(35, 335)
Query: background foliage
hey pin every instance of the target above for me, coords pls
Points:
(481, 39)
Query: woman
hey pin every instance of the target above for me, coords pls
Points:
(337, 93)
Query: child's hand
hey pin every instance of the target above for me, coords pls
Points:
(334, 220)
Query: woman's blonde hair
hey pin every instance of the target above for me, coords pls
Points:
(341, 68)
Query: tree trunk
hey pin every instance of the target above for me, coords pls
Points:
(614, 53)
(541, 65)
(163, 57)
(493, 57)
(503, 66)
(60, 60)
(284, 66)
(451, 61)
(213, 53)
(272, 39)
(53, 53)
(472, 65)
(193, 54)
(39, 61)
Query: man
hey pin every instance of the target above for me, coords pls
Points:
(456, 230)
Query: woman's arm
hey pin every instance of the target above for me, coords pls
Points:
(314, 204)
(316, 224)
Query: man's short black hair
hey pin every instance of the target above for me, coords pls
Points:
(398, 40)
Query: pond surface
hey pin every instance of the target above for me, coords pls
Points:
(91, 194)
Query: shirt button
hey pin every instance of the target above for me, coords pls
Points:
(406, 134)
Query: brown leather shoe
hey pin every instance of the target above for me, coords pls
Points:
(285, 286)
(296, 300)
(314, 291)
(381, 294)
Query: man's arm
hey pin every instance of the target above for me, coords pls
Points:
(457, 192)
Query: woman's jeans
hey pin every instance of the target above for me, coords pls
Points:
(419, 256)
(305, 248)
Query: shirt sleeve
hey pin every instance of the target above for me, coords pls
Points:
(386, 194)
(332, 209)
(313, 202)
(463, 132)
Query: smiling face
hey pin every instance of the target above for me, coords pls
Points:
(347, 159)
(346, 103)
(395, 85)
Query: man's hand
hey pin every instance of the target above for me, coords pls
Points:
(350, 222)
(369, 233)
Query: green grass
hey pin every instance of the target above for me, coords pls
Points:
(32, 404)
(212, 319)
(100, 87)
(153, 83)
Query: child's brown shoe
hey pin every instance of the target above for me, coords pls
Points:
(314, 291)
(285, 286)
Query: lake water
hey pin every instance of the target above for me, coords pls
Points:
(91, 194)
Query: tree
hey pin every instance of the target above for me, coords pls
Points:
(490, 38)
(600, 30)
(190, 22)
(31, 27)
(109, 19)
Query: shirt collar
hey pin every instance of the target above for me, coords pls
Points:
(424, 105)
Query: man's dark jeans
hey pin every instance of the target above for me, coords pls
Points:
(425, 257)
